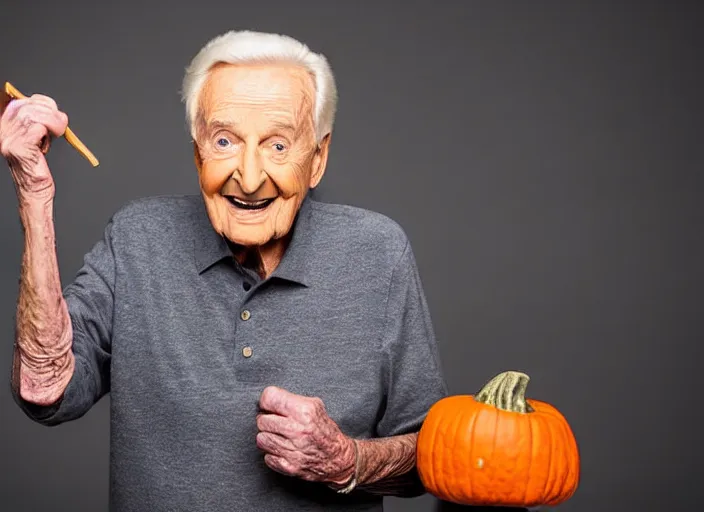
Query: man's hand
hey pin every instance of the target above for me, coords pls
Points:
(26, 127)
(300, 439)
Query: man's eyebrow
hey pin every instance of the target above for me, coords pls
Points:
(284, 126)
(219, 124)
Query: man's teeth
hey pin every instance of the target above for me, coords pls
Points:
(249, 204)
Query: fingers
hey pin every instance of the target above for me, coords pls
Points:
(23, 112)
(303, 408)
(54, 121)
(278, 401)
(279, 464)
(29, 124)
(275, 424)
(46, 100)
(274, 443)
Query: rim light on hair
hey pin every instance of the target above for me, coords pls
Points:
(247, 47)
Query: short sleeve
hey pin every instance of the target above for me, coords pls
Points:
(414, 378)
(90, 300)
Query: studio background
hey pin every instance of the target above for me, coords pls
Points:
(544, 157)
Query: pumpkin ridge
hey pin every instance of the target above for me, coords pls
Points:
(550, 481)
(473, 423)
(447, 488)
(530, 460)
(434, 453)
(470, 419)
(459, 421)
(568, 475)
(566, 470)
(561, 436)
(497, 418)
(424, 465)
(444, 463)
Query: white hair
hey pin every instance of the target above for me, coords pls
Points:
(248, 47)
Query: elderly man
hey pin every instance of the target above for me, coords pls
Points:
(262, 350)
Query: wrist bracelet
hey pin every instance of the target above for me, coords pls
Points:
(353, 483)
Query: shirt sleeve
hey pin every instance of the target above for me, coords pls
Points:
(90, 304)
(414, 377)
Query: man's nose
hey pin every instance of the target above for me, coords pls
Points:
(251, 175)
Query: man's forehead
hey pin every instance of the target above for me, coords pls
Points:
(258, 84)
(282, 94)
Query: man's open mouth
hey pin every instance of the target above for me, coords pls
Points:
(250, 205)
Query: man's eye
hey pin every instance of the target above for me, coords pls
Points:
(279, 147)
(222, 142)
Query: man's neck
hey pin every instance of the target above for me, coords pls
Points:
(261, 259)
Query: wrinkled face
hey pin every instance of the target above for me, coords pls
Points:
(255, 149)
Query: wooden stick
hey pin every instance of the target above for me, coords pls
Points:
(70, 137)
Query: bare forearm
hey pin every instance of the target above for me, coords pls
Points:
(388, 466)
(43, 360)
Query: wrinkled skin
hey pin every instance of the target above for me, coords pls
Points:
(255, 140)
(43, 362)
(26, 127)
(300, 439)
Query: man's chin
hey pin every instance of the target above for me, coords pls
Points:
(253, 235)
(248, 240)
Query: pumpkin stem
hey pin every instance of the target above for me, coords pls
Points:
(506, 391)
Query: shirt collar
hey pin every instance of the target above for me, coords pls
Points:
(210, 247)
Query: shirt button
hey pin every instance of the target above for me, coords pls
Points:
(246, 286)
(247, 351)
(245, 314)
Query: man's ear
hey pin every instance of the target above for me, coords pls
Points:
(197, 157)
(320, 161)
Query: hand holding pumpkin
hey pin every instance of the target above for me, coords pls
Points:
(497, 448)
(300, 439)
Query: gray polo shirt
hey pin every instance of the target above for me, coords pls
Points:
(184, 339)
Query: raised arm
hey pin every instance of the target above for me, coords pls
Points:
(43, 360)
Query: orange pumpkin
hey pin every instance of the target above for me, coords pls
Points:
(497, 448)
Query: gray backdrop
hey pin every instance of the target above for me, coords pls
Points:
(544, 158)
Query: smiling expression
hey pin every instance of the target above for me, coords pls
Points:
(256, 151)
